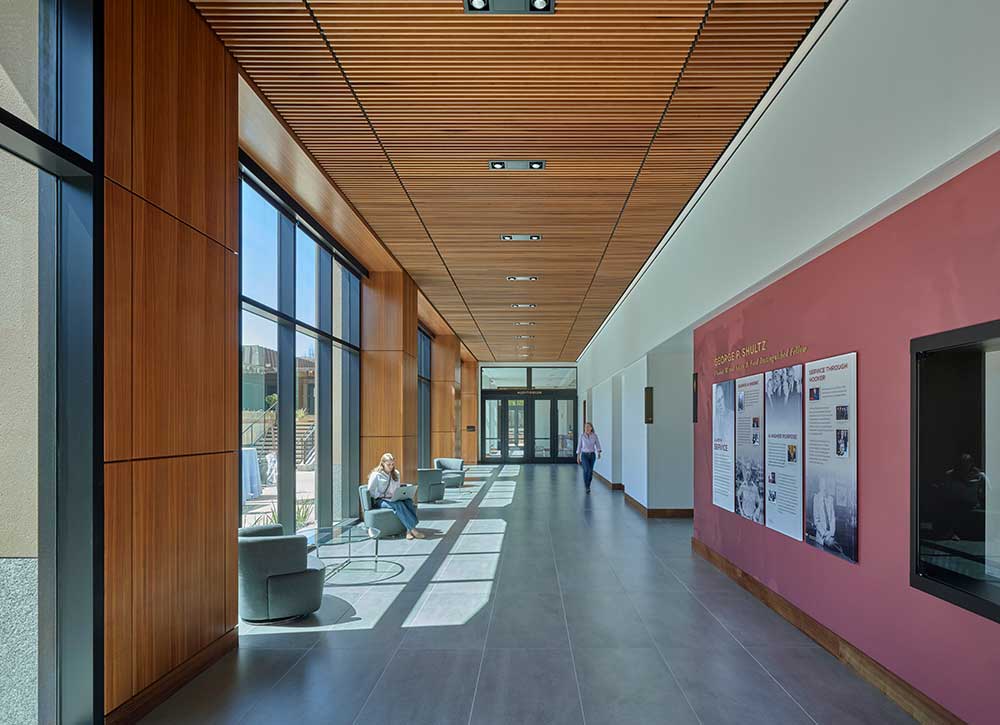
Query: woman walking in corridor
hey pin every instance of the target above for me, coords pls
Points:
(587, 452)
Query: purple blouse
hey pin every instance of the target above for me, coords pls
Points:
(589, 443)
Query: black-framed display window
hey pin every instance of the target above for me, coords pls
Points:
(955, 467)
(51, 354)
(423, 399)
(300, 367)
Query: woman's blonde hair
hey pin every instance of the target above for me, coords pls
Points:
(386, 457)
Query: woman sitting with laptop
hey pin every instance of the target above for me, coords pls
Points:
(383, 485)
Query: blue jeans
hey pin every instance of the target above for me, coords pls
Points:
(587, 459)
(405, 510)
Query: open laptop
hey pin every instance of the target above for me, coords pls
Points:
(405, 492)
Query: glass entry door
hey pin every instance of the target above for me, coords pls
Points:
(542, 435)
(504, 429)
(565, 427)
(527, 429)
(516, 437)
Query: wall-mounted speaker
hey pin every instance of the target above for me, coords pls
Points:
(649, 405)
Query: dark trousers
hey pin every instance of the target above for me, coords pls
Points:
(587, 459)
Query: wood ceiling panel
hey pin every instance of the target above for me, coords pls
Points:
(742, 47)
(403, 103)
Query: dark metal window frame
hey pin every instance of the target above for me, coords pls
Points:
(292, 219)
(254, 175)
(528, 378)
(69, 149)
(425, 340)
(919, 348)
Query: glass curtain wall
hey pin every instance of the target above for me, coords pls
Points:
(300, 372)
(423, 399)
(51, 541)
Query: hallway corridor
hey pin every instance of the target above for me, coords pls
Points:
(529, 602)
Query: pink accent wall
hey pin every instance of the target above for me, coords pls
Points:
(932, 266)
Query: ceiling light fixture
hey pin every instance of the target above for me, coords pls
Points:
(521, 237)
(516, 165)
(524, 337)
(523, 324)
(523, 305)
(514, 278)
(509, 7)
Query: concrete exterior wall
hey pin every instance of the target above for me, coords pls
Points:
(19, 361)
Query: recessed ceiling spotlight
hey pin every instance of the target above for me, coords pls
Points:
(509, 7)
(523, 305)
(515, 278)
(523, 324)
(521, 237)
(516, 165)
(525, 347)
(524, 337)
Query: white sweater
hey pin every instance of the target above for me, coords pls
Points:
(381, 486)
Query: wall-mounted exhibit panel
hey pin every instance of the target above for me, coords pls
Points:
(783, 469)
(921, 571)
(723, 448)
(750, 447)
(831, 455)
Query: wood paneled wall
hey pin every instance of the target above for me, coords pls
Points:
(389, 371)
(470, 411)
(171, 350)
(445, 384)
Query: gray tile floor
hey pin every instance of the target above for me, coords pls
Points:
(530, 602)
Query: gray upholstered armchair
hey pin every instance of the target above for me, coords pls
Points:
(430, 485)
(385, 520)
(278, 579)
(452, 471)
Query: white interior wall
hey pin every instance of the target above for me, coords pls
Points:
(893, 90)
(602, 415)
(633, 427)
(670, 480)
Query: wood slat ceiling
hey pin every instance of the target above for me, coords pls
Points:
(403, 102)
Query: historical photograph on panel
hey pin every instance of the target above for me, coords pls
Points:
(723, 453)
(783, 442)
(749, 452)
(831, 456)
